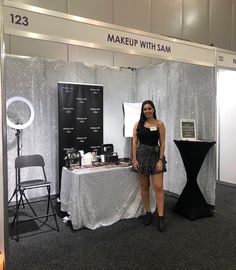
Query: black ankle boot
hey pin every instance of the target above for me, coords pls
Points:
(147, 218)
(161, 224)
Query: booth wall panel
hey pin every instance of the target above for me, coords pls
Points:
(118, 88)
(38, 48)
(7, 43)
(57, 5)
(37, 80)
(28, 81)
(234, 26)
(226, 82)
(101, 10)
(178, 91)
(166, 17)
(221, 23)
(128, 60)
(90, 56)
(182, 91)
(133, 13)
(196, 21)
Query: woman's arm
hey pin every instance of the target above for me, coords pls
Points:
(162, 147)
(162, 139)
(134, 147)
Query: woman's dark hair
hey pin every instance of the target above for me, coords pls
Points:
(142, 118)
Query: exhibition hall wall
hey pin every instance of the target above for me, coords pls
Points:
(205, 22)
(178, 91)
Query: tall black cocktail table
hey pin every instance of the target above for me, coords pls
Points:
(191, 202)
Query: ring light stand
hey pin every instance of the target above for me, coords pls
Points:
(19, 127)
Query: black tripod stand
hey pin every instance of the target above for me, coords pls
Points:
(17, 134)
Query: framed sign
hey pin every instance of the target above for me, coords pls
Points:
(187, 129)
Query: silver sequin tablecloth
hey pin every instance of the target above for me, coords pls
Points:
(96, 197)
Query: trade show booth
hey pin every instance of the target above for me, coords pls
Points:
(183, 86)
(179, 91)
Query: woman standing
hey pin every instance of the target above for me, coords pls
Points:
(149, 159)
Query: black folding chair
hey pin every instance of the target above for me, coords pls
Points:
(29, 161)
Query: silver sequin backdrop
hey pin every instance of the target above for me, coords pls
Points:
(178, 90)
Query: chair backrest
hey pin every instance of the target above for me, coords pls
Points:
(29, 161)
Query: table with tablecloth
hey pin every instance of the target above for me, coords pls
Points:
(101, 196)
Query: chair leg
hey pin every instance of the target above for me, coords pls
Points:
(23, 194)
(13, 194)
(48, 201)
(53, 210)
(17, 216)
(17, 209)
(55, 216)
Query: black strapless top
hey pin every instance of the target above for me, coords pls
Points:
(148, 137)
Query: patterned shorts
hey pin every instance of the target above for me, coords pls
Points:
(147, 157)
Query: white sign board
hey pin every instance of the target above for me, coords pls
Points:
(131, 117)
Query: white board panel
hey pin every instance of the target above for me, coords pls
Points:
(226, 81)
(131, 116)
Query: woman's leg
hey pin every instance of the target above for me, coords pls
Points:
(157, 183)
(144, 187)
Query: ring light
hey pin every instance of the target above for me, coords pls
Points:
(29, 104)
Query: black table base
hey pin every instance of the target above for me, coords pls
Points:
(191, 202)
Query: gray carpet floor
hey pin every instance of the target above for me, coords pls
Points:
(204, 244)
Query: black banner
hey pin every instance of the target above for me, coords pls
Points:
(80, 108)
